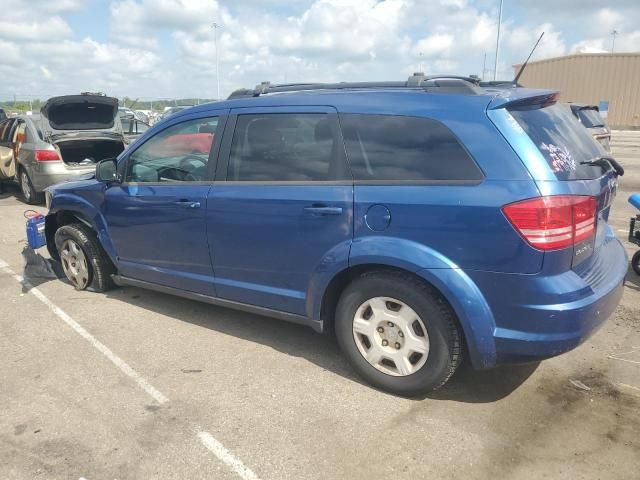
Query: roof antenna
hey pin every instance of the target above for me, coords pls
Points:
(515, 80)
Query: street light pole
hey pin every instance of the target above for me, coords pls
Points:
(613, 39)
(215, 41)
(495, 66)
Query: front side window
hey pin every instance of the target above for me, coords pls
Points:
(285, 147)
(178, 154)
(399, 148)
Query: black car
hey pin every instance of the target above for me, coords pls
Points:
(589, 116)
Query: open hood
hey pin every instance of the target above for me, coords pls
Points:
(81, 112)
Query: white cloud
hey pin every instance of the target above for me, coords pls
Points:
(46, 72)
(160, 48)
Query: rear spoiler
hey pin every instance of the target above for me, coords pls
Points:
(518, 98)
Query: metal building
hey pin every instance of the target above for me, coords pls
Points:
(593, 78)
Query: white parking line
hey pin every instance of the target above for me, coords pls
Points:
(62, 315)
(226, 456)
(213, 445)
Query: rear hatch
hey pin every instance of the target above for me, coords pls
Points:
(570, 162)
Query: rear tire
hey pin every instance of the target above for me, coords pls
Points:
(635, 262)
(85, 263)
(29, 193)
(383, 316)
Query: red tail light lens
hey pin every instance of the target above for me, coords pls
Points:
(553, 222)
(46, 156)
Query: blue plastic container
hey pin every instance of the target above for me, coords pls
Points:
(35, 231)
(634, 200)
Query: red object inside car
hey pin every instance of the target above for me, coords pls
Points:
(183, 144)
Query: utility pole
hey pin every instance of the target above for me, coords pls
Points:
(216, 26)
(613, 39)
(495, 67)
(484, 65)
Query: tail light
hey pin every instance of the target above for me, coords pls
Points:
(553, 222)
(46, 156)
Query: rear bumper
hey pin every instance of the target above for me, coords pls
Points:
(538, 317)
(46, 174)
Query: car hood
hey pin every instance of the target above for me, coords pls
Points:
(81, 112)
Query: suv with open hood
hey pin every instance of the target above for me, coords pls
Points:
(71, 134)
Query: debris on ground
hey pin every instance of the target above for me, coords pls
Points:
(36, 266)
(579, 385)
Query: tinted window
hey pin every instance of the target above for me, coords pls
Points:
(3, 116)
(388, 147)
(590, 118)
(561, 139)
(5, 130)
(178, 154)
(285, 147)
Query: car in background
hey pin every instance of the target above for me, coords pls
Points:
(419, 221)
(133, 128)
(3, 115)
(173, 110)
(589, 116)
(64, 142)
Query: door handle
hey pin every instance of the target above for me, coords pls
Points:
(187, 204)
(323, 210)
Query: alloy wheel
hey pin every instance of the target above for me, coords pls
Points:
(25, 186)
(391, 336)
(74, 264)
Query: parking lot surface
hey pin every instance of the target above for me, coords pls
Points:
(136, 384)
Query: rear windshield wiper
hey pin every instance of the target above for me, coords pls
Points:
(606, 162)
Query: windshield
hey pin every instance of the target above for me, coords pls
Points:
(562, 140)
(590, 118)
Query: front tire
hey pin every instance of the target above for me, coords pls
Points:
(398, 333)
(84, 261)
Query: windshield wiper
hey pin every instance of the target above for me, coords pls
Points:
(606, 162)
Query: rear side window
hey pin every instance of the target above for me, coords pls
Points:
(562, 140)
(285, 147)
(390, 148)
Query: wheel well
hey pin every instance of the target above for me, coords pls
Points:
(341, 280)
(54, 222)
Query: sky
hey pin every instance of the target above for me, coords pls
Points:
(166, 48)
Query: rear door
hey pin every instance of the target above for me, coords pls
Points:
(281, 209)
(156, 216)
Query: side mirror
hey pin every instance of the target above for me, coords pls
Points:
(107, 170)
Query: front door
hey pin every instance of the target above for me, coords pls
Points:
(281, 210)
(7, 163)
(156, 216)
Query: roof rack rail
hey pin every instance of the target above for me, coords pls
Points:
(429, 83)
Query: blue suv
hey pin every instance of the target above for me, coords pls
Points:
(420, 221)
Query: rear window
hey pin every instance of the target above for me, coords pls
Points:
(562, 140)
(398, 148)
(590, 118)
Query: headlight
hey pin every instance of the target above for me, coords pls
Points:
(48, 197)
